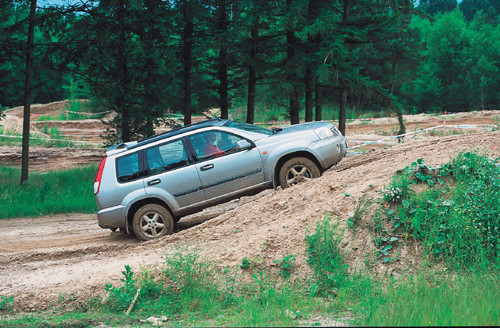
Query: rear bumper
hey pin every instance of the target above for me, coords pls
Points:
(112, 217)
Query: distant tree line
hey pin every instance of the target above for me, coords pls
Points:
(142, 58)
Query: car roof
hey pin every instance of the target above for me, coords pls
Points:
(167, 134)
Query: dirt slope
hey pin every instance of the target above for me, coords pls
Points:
(45, 257)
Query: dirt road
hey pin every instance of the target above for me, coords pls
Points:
(68, 255)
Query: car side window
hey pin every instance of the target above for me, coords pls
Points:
(212, 144)
(128, 167)
(166, 157)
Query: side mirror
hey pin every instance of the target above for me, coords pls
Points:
(243, 144)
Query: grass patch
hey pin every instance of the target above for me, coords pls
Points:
(53, 139)
(435, 300)
(46, 192)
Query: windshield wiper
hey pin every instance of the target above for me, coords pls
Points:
(277, 130)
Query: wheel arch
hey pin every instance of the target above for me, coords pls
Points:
(286, 157)
(137, 205)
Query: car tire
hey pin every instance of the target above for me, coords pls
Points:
(152, 221)
(297, 170)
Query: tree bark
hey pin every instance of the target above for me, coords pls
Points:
(187, 38)
(27, 94)
(252, 75)
(318, 103)
(123, 129)
(342, 110)
(309, 94)
(343, 87)
(223, 58)
(291, 44)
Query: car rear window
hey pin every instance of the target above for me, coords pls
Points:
(128, 167)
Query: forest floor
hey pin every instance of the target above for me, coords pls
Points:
(46, 257)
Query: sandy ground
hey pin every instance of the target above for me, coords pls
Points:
(45, 258)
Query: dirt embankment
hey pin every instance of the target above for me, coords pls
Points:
(45, 257)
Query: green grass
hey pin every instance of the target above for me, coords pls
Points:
(46, 192)
(434, 300)
(454, 210)
(53, 140)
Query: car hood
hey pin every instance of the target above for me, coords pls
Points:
(310, 126)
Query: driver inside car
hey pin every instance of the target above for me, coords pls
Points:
(211, 150)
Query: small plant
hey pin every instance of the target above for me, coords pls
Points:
(365, 203)
(286, 265)
(120, 298)
(398, 190)
(245, 263)
(6, 302)
(325, 259)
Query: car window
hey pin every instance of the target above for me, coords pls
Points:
(128, 167)
(212, 144)
(166, 157)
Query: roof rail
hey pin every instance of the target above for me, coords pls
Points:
(179, 130)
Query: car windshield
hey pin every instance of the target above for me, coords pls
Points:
(248, 127)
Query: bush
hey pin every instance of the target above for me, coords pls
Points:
(459, 223)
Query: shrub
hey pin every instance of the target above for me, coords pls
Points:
(325, 259)
(459, 223)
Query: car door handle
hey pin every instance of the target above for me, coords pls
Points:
(207, 167)
(154, 182)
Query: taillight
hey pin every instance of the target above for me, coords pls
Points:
(98, 177)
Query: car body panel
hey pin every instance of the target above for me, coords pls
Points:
(232, 172)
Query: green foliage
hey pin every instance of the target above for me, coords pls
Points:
(457, 222)
(192, 289)
(364, 205)
(6, 302)
(245, 263)
(46, 192)
(325, 259)
(120, 298)
(459, 64)
(286, 265)
(430, 299)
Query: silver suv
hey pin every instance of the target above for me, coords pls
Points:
(146, 186)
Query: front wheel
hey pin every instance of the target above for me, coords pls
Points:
(297, 170)
(152, 221)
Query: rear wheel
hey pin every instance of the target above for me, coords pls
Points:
(297, 170)
(152, 221)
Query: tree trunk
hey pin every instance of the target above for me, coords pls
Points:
(343, 87)
(252, 75)
(123, 129)
(27, 94)
(187, 38)
(318, 102)
(291, 45)
(294, 107)
(342, 110)
(309, 94)
(223, 80)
